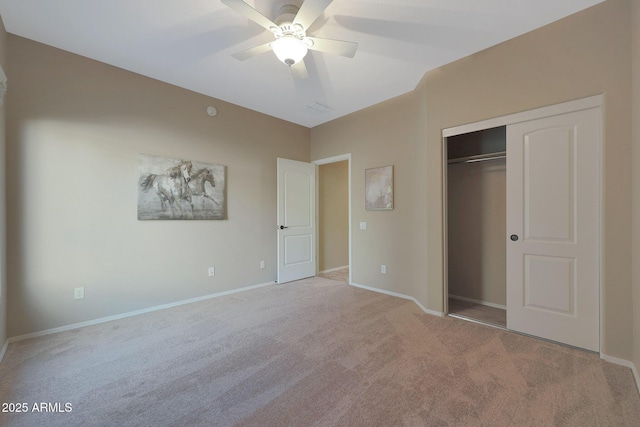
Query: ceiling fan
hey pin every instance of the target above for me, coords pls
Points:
(290, 30)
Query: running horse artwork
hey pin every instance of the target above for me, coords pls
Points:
(180, 189)
(171, 188)
(198, 181)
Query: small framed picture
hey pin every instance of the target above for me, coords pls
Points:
(378, 183)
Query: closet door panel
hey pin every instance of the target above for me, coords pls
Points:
(552, 226)
(549, 184)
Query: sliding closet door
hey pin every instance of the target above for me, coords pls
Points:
(553, 186)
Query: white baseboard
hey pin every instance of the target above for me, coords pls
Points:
(4, 350)
(403, 296)
(623, 362)
(333, 269)
(477, 301)
(131, 314)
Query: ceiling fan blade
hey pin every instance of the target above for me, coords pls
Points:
(248, 11)
(254, 51)
(310, 11)
(299, 71)
(336, 47)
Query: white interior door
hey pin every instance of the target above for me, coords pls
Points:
(553, 187)
(296, 220)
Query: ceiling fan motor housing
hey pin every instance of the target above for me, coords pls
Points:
(286, 14)
(286, 27)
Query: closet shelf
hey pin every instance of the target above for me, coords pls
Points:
(479, 157)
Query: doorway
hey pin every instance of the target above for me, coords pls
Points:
(333, 217)
(476, 197)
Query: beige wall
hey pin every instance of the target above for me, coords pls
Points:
(3, 247)
(476, 223)
(582, 55)
(585, 54)
(75, 130)
(333, 218)
(635, 18)
(385, 134)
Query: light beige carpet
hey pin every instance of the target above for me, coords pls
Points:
(310, 353)
(341, 275)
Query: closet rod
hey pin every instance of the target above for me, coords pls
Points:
(479, 157)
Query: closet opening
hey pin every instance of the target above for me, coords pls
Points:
(475, 174)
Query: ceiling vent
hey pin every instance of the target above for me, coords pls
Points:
(317, 108)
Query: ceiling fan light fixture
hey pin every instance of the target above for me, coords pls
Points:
(289, 49)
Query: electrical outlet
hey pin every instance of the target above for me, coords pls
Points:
(261, 264)
(78, 293)
(383, 269)
(212, 271)
(363, 225)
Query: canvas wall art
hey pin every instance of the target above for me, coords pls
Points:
(180, 189)
(379, 188)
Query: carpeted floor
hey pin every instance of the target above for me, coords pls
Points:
(311, 353)
(341, 275)
(483, 313)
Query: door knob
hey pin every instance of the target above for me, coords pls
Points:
(514, 237)
(282, 227)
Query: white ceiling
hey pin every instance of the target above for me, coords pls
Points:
(189, 43)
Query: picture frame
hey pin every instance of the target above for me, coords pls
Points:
(180, 189)
(378, 183)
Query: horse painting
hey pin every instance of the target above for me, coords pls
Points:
(171, 188)
(180, 189)
(198, 181)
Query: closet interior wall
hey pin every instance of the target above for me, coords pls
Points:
(476, 215)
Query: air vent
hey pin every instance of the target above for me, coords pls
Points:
(317, 108)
